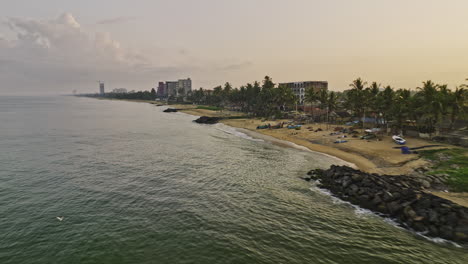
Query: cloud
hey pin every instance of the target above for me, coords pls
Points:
(54, 54)
(115, 20)
(58, 55)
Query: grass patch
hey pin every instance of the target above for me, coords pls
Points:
(453, 162)
(238, 117)
(212, 108)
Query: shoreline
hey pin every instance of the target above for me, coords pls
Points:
(286, 143)
(368, 156)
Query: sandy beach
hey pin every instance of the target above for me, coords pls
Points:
(373, 156)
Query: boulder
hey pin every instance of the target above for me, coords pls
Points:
(207, 120)
(170, 110)
(400, 197)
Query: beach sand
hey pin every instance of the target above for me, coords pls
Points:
(373, 156)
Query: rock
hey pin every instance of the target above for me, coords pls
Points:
(433, 230)
(207, 120)
(433, 216)
(170, 110)
(394, 207)
(357, 177)
(419, 227)
(346, 183)
(461, 233)
(452, 219)
(377, 200)
(400, 197)
(425, 184)
(446, 232)
(387, 196)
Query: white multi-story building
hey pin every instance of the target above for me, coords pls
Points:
(185, 84)
(299, 88)
(175, 88)
(171, 88)
(101, 88)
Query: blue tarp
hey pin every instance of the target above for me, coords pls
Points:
(405, 150)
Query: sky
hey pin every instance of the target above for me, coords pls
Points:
(57, 46)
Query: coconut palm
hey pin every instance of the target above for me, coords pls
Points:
(458, 102)
(311, 97)
(357, 98)
(384, 103)
(401, 108)
(429, 105)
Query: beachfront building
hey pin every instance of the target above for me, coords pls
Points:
(184, 86)
(171, 88)
(299, 88)
(161, 91)
(101, 88)
(175, 88)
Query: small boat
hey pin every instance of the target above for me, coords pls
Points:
(297, 127)
(340, 141)
(399, 140)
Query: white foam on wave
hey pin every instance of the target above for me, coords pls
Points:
(235, 132)
(285, 143)
(359, 211)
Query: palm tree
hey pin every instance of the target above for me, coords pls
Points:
(429, 105)
(401, 107)
(372, 99)
(284, 96)
(384, 102)
(356, 98)
(332, 103)
(458, 101)
(311, 97)
(444, 97)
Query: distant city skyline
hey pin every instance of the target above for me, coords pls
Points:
(55, 47)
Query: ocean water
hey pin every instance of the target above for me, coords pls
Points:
(136, 185)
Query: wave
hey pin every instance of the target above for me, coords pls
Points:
(235, 132)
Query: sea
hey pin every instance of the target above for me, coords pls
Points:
(100, 181)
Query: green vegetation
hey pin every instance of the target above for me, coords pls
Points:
(453, 162)
(265, 99)
(425, 107)
(212, 108)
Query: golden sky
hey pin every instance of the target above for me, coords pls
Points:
(56, 46)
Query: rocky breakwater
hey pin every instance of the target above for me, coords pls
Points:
(207, 120)
(399, 197)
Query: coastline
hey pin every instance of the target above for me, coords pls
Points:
(369, 156)
(286, 143)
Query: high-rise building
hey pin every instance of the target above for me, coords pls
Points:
(184, 85)
(299, 88)
(175, 88)
(101, 88)
(171, 88)
(162, 91)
